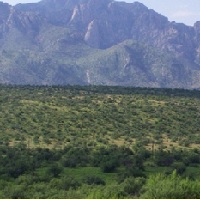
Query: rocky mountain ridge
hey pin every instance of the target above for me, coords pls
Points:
(96, 42)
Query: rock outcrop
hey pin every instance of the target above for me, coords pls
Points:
(55, 35)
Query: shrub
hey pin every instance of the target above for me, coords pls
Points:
(132, 186)
(160, 186)
(108, 166)
(94, 180)
(54, 170)
(179, 167)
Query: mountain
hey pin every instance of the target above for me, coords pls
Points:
(100, 42)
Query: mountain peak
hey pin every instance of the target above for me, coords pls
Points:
(96, 42)
(4, 11)
(197, 26)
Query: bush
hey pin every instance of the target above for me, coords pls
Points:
(163, 158)
(108, 166)
(132, 186)
(65, 183)
(173, 186)
(179, 167)
(54, 170)
(14, 192)
(94, 180)
(108, 192)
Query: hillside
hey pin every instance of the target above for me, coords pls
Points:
(94, 142)
(96, 42)
(55, 117)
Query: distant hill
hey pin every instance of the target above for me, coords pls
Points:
(102, 42)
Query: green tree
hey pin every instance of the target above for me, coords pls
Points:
(179, 167)
(133, 186)
(54, 170)
(160, 186)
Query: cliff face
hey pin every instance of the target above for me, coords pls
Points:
(5, 10)
(96, 42)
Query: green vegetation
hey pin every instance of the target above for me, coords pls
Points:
(72, 61)
(55, 117)
(99, 142)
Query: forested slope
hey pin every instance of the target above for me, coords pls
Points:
(99, 142)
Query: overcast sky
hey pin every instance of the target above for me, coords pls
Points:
(186, 11)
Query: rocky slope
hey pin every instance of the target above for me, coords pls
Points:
(96, 42)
